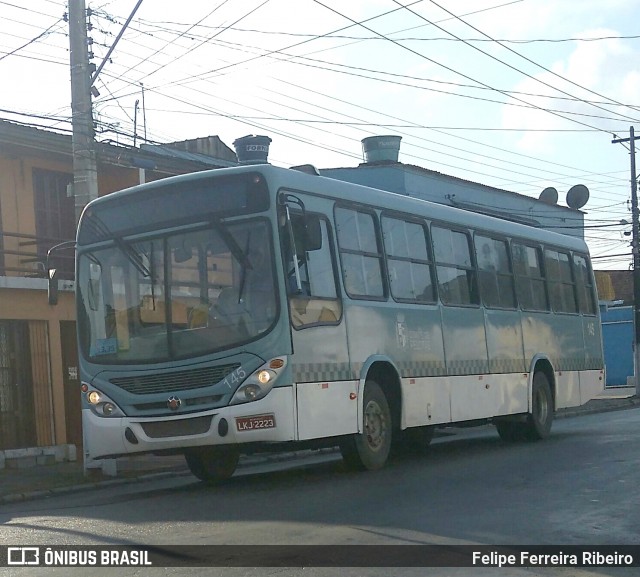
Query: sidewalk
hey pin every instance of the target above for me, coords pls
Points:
(20, 484)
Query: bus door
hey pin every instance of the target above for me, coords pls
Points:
(326, 391)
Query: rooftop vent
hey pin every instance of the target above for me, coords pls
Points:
(381, 148)
(252, 149)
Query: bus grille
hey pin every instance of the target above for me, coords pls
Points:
(179, 428)
(178, 381)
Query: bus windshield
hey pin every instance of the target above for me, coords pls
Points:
(200, 289)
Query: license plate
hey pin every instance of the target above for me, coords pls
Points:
(256, 422)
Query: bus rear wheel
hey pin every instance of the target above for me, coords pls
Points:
(369, 450)
(538, 422)
(212, 464)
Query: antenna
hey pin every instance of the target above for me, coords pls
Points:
(577, 196)
(144, 114)
(549, 195)
(135, 123)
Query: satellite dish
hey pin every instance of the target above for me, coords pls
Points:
(577, 196)
(549, 195)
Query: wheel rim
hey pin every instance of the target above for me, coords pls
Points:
(375, 425)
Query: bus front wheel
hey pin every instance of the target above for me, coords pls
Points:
(212, 464)
(369, 450)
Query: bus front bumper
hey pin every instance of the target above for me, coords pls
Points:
(270, 419)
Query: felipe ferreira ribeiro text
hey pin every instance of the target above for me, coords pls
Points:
(526, 559)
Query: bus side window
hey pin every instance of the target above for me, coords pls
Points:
(560, 281)
(360, 254)
(408, 261)
(584, 284)
(494, 273)
(530, 282)
(457, 282)
(318, 303)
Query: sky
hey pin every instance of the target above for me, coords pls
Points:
(515, 94)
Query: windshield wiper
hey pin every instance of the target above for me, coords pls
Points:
(232, 243)
(132, 255)
(243, 277)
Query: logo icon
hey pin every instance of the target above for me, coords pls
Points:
(23, 556)
(174, 403)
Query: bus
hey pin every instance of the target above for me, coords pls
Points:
(262, 308)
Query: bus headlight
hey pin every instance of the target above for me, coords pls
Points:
(258, 384)
(264, 377)
(101, 405)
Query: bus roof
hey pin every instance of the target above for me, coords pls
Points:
(342, 191)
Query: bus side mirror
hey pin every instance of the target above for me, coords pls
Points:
(313, 233)
(52, 287)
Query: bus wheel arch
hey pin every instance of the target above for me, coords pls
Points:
(381, 406)
(387, 377)
(544, 366)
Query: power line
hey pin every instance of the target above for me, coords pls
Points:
(511, 66)
(35, 39)
(531, 61)
(456, 71)
(211, 72)
(180, 36)
(408, 38)
(245, 117)
(294, 59)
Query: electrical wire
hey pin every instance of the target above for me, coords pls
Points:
(33, 40)
(511, 66)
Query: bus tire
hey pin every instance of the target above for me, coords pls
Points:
(370, 449)
(212, 464)
(540, 419)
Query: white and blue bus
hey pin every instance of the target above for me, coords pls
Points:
(262, 308)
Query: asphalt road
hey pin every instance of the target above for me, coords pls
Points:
(579, 487)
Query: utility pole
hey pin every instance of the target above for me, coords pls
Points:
(635, 245)
(85, 169)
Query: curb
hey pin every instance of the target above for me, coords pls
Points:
(245, 462)
(600, 406)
